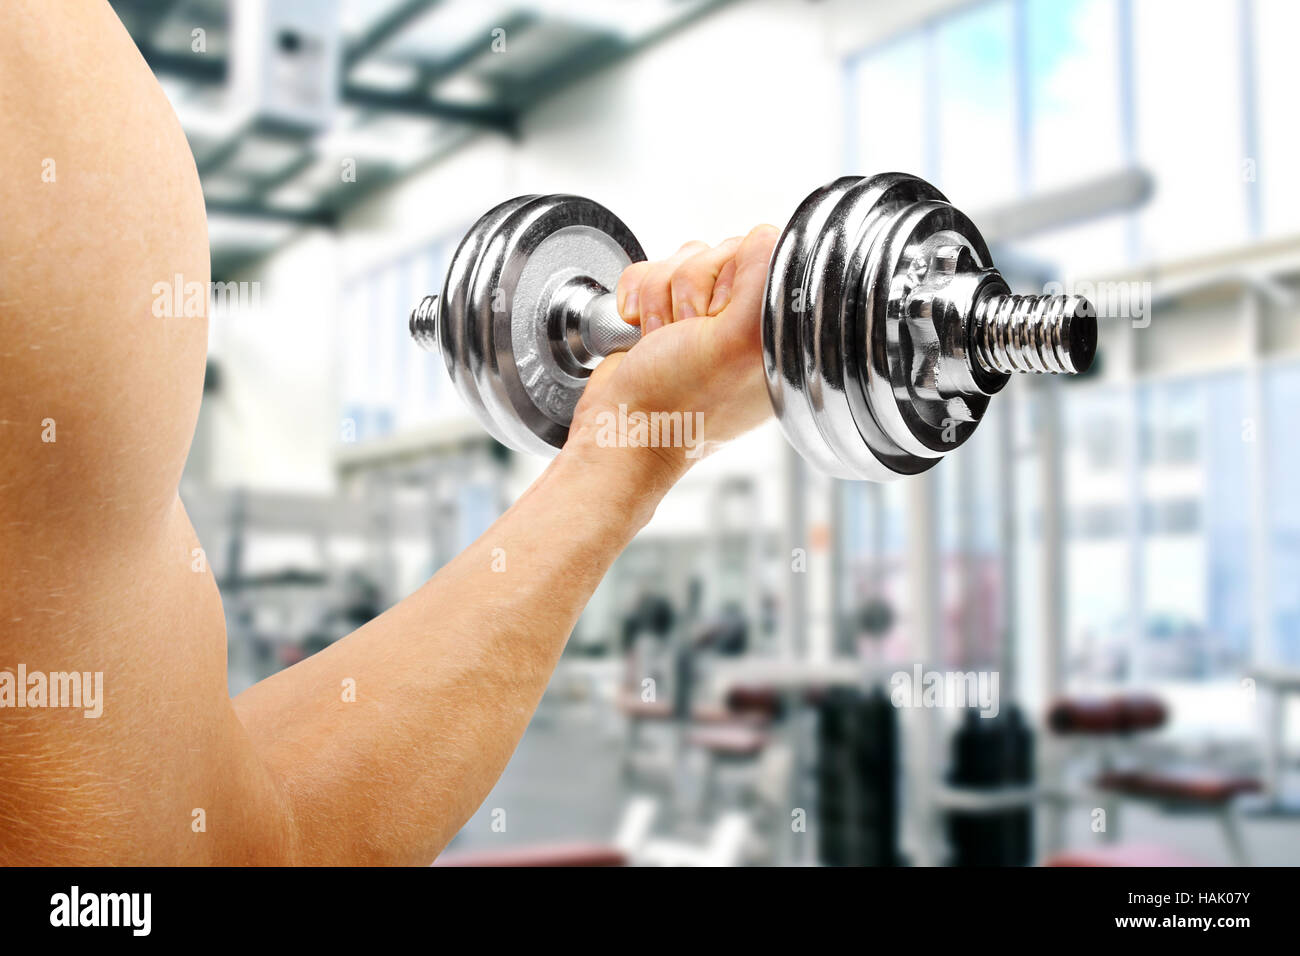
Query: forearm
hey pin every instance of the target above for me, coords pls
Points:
(447, 680)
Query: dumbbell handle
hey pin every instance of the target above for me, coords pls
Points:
(585, 314)
(585, 323)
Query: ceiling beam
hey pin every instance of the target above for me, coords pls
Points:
(265, 186)
(457, 60)
(254, 210)
(194, 67)
(146, 19)
(204, 69)
(416, 103)
(402, 16)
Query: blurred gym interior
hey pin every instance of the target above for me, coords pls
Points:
(1100, 586)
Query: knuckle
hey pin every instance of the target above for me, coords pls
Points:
(684, 277)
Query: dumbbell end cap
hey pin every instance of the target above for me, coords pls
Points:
(424, 323)
(1081, 336)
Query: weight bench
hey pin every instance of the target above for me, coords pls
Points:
(556, 854)
(1137, 854)
(1169, 788)
(734, 744)
(637, 713)
(1189, 788)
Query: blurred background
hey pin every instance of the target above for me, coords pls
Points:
(1120, 553)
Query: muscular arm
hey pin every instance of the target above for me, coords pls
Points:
(99, 203)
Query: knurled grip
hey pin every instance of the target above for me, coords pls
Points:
(603, 330)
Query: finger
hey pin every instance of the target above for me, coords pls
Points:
(656, 298)
(722, 287)
(627, 290)
(692, 282)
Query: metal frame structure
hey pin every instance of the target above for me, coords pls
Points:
(511, 94)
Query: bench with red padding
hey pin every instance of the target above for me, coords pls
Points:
(555, 854)
(1121, 714)
(1190, 785)
(1137, 854)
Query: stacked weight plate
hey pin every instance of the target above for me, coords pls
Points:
(493, 328)
(837, 359)
(989, 753)
(857, 779)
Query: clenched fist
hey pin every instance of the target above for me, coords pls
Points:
(699, 360)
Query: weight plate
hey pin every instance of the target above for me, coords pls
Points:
(455, 340)
(535, 248)
(892, 192)
(784, 323)
(834, 365)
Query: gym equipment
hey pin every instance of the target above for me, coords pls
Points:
(857, 779)
(1120, 714)
(987, 754)
(885, 327)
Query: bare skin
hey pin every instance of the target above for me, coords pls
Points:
(99, 202)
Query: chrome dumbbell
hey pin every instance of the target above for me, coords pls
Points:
(885, 327)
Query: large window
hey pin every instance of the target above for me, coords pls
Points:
(1099, 567)
(1275, 153)
(1282, 397)
(1072, 88)
(1195, 529)
(888, 95)
(1020, 97)
(978, 154)
(1008, 98)
(875, 566)
(387, 382)
(1187, 69)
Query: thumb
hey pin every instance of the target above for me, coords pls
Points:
(752, 259)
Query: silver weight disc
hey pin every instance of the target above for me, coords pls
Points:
(834, 363)
(785, 315)
(460, 347)
(534, 249)
(887, 193)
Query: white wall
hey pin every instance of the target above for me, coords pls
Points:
(273, 425)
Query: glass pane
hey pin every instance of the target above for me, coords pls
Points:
(1187, 68)
(1098, 554)
(887, 92)
(973, 59)
(876, 589)
(972, 593)
(1282, 393)
(1277, 78)
(1073, 89)
(1195, 495)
